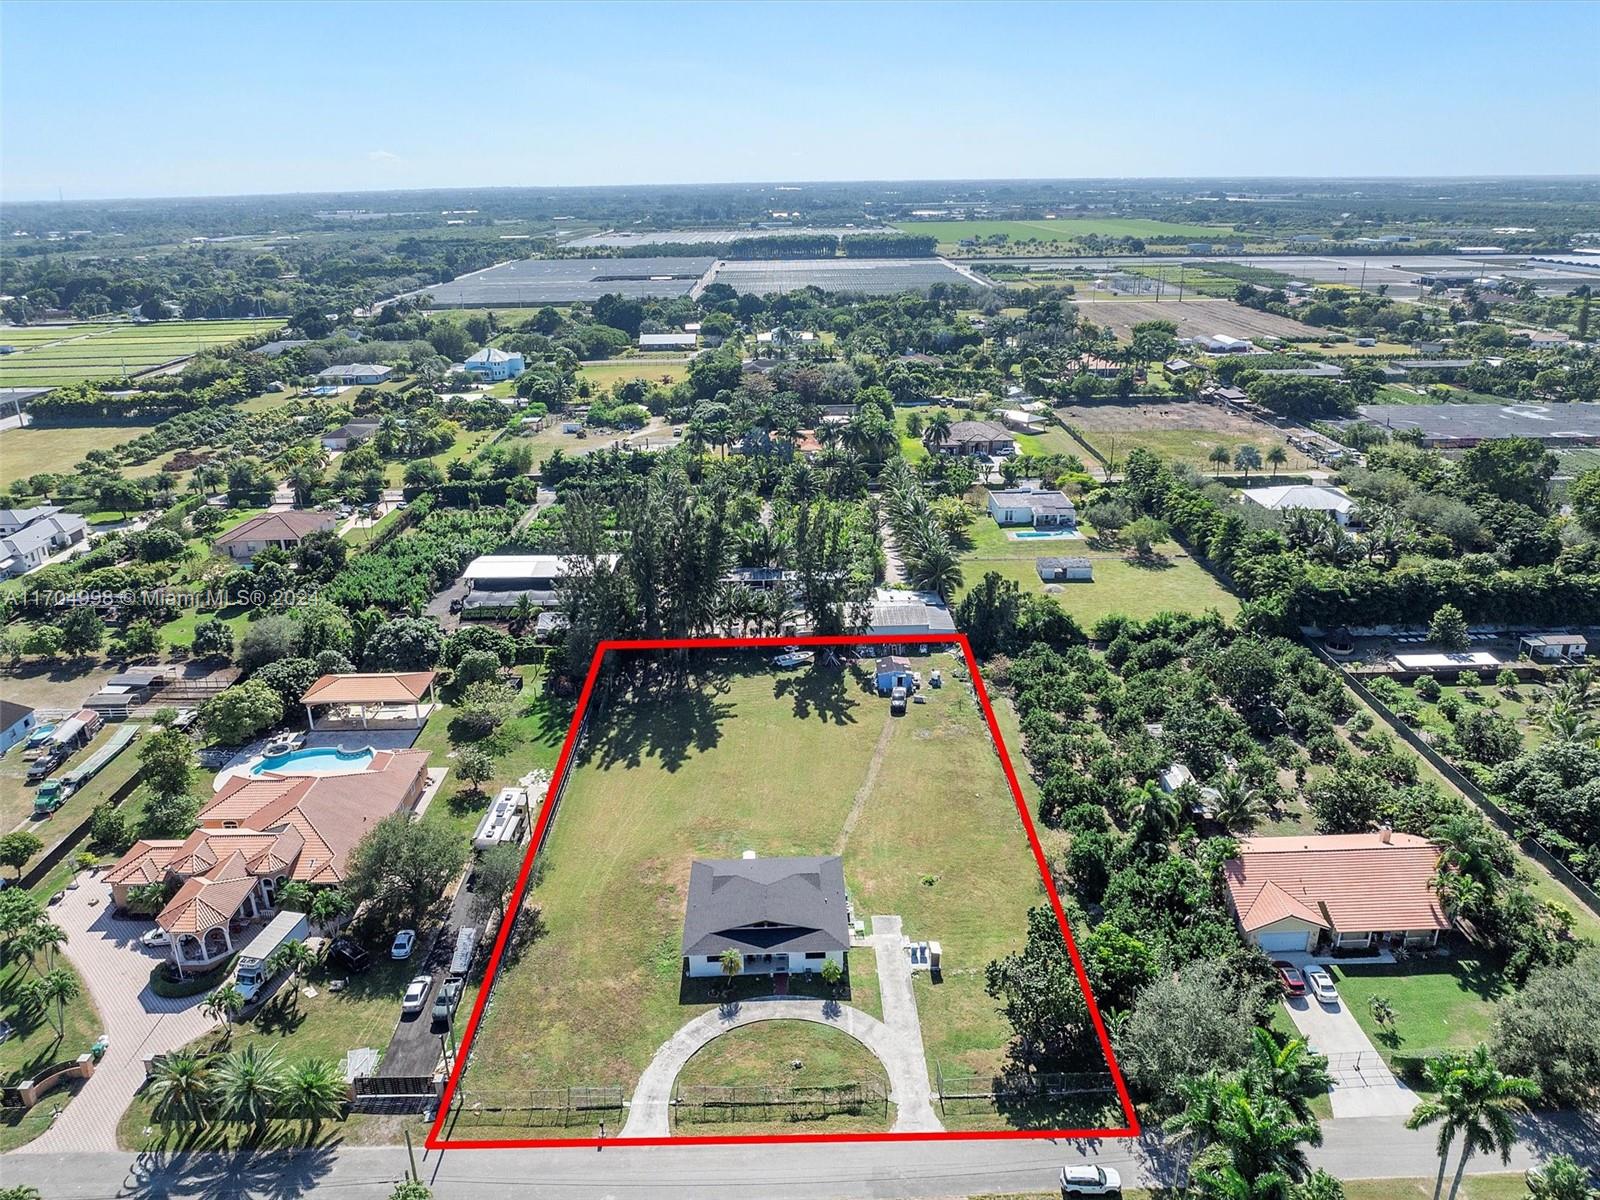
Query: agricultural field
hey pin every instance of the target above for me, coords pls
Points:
(57, 449)
(603, 373)
(1181, 430)
(49, 355)
(1171, 582)
(916, 805)
(1194, 318)
(1063, 231)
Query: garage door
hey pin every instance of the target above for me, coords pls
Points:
(1277, 943)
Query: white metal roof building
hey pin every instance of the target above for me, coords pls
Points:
(1303, 495)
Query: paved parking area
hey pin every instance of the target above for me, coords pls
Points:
(1363, 1085)
(116, 971)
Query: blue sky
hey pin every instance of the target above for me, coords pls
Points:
(131, 99)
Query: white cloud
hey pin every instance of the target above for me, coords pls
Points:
(383, 156)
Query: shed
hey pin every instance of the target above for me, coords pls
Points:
(1554, 647)
(1065, 570)
(891, 672)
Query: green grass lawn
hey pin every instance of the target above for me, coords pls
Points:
(1439, 1004)
(1515, 707)
(1172, 583)
(16, 795)
(763, 1055)
(1063, 230)
(1191, 446)
(108, 351)
(56, 449)
(35, 1044)
(601, 375)
(716, 771)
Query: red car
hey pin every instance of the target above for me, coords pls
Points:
(1289, 977)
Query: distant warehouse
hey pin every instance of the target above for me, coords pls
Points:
(1459, 426)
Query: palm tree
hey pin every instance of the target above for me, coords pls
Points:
(296, 958)
(1155, 813)
(1264, 1136)
(56, 987)
(1467, 846)
(180, 1085)
(250, 1083)
(41, 935)
(1203, 1098)
(1218, 458)
(1276, 457)
(224, 1005)
(1473, 1100)
(313, 1091)
(1247, 459)
(1288, 1070)
(936, 432)
(1218, 1179)
(1238, 805)
(732, 964)
(935, 567)
(521, 614)
(305, 479)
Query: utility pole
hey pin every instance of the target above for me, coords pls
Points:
(412, 1155)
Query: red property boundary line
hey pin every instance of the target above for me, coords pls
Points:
(435, 1140)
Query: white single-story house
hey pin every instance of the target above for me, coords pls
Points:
(278, 530)
(1065, 570)
(1348, 890)
(667, 341)
(16, 723)
(1542, 337)
(1554, 647)
(494, 364)
(1316, 497)
(348, 434)
(32, 545)
(1038, 507)
(781, 916)
(355, 374)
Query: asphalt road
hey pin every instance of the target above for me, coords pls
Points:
(1359, 1148)
(415, 1048)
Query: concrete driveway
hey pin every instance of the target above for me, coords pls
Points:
(1363, 1085)
(116, 972)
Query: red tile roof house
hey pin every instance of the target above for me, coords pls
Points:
(1347, 890)
(259, 832)
(282, 530)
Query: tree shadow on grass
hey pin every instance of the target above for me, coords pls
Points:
(823, 692)
(1150, 562)
(665, 721)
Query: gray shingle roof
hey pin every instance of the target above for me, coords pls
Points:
(765, 906)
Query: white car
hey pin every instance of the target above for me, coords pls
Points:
(1088, 1180)
(155, 938)
(1321, 986)
(416, 994)
(403, 942)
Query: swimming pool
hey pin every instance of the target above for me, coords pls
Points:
(318, 760)
(1040, 535)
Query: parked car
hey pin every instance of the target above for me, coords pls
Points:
(155, 938)
(1289, 978)
(348, 953)
(416, 994)
(444, 1004)
(1089, 1180)
(1321, 986)
(404, 941)
(897, 700)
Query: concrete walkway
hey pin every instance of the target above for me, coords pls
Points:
(115, 970)
(649, 1110)
(900, 1015)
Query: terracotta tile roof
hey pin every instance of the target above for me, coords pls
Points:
(277, 527)
(382, 687)
(145, 863)
(1353, 882)
(208, 899)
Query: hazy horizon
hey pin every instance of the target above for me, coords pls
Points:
(142, 101)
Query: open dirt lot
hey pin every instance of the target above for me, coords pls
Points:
(1185, 430)
(1193, 318)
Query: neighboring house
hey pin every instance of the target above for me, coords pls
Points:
(495, 364)
(978, 437)
(278, 530)
(1037, 507)
(282, 346)
(356, 374)
(14, 520)
(1541, 337)
(16, 723)
(1554, 647)
(349, 434)
(1104, 368)
(496, 581)
(1347, 890)
(258, 833)
(667, 341)
(33, 544)
(1309, 496)
(908, 613)
(763, 579)
(890, 672)
(1309, 371)
(1222, 343)
(1022, 421)
(1064, 570)
(780, 915)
